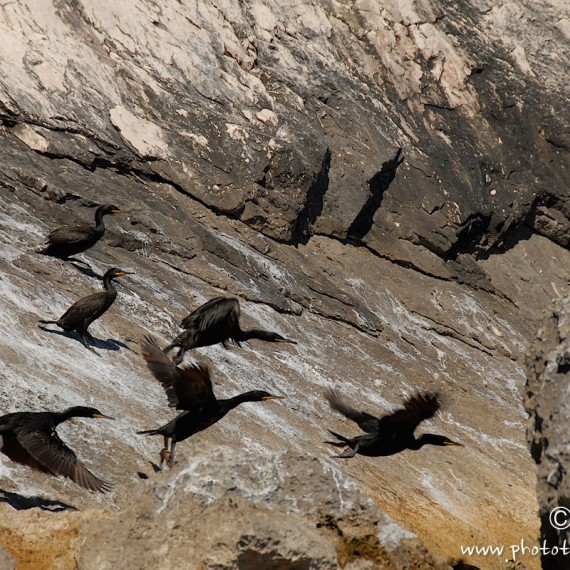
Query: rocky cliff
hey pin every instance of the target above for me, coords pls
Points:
(547, 403)
(385, 184)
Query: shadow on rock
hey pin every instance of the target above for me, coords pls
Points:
(85, 268)
(109, 344)
(22, 503)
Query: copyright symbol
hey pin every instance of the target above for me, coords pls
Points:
(560, 518)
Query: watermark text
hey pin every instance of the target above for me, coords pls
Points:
(516, 550)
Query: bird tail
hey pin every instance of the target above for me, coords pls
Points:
(343, 440)
(149, 432)
(47, 322)
(48, 250)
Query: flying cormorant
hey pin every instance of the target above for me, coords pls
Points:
(68, 240)
(189, 389)
(84, 311)
(30, 438)
(217, 321)
(389, 434)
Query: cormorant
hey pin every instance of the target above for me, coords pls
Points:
(68, 240)
(189, 389)
(217, 321)
(84, 311)
(30, 438)
(389, 434)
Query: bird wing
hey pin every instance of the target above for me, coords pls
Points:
(69, 234)
(217, 312)
(45, 446)
(93, 306)
(417, 408)
(366, 421)
(5, 424)
(186, 388)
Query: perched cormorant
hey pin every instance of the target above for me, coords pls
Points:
(189, 389)
(217, 321)
(68, 240)
(30, 438)
(84, 311)
(389, 434)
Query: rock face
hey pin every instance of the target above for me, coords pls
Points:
(547, 402)
(385, 183)
(291, 118)
(229, 509)
(6, 561)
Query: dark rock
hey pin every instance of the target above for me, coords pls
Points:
(552, 224)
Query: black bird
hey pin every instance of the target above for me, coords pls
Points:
(30, 438)
(87, 309)
(189, 389)
(217, 321)
(389, 434)
(68, 240)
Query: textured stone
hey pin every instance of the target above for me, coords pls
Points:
(285, 135)
(384, 183)
(548, 403)
(6, 561)
(553, 224)
(226, 509)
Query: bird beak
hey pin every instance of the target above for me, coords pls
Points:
(454, 444)
(273, 398)
(285, 340)
(102, 417)
(115, 212)
(121, 273)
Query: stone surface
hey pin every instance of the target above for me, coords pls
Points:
(286, 135)
(386, 184)
(6, 561)
(548, 404)
(230, 509)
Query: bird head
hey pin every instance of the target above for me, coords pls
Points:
(433, 439)
(262, 396)
(86, 412)
(114, 272)
(109, 209)
(275, 337)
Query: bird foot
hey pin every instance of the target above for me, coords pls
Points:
(348, 453)
(86, 344)
(90, 348)
(165, 456)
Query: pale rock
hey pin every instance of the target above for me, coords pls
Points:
(146, 138)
